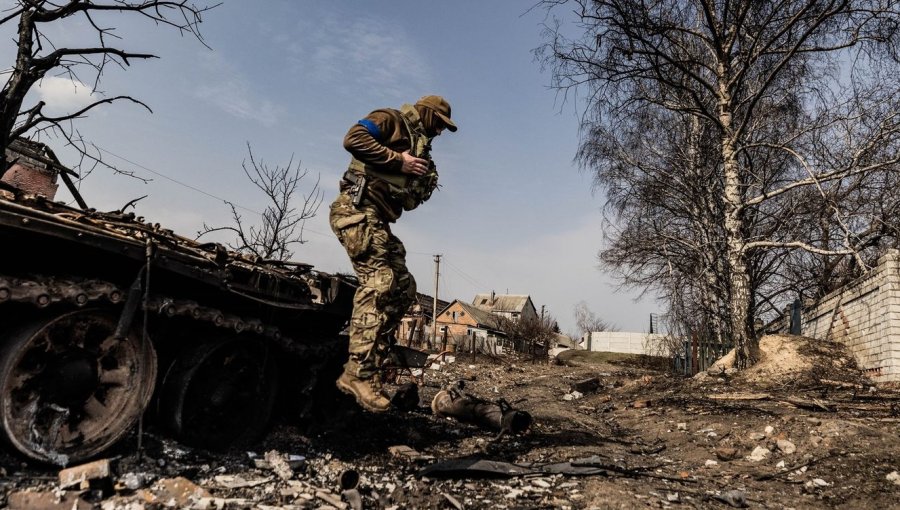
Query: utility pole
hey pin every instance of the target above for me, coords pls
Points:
(434, 310)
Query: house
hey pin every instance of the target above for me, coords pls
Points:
(416, 325)
(468, 328)
(561, 341)
(512, 306)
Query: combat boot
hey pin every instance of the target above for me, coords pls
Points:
(366, 391)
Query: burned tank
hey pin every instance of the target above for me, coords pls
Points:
(107, 318)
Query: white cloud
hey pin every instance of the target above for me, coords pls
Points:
(234, 97)
(365, 54)
(63, 95)
(226, 88)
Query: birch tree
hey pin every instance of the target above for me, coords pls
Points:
(785, 100)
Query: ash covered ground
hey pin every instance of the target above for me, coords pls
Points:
(802, 429)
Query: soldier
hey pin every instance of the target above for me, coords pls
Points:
(390, 172)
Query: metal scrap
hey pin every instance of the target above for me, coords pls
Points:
(498, 416)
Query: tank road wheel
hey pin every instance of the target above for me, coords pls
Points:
(69, 389)
(220, 394)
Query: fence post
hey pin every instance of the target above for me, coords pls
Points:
(694, 354)
(795, 317)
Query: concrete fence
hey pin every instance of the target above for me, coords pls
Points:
(623, 342)
(865, 315)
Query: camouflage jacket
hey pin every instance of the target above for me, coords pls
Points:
(376, 143)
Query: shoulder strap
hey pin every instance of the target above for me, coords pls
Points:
(418, 140)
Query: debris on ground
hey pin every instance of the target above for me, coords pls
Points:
(637, 437)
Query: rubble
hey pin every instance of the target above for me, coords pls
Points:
(85, 476)
(758, 454)
(686, 450)
(786, 446)
(894, 477)
(278, 463)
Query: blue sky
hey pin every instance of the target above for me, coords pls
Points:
(514, 213)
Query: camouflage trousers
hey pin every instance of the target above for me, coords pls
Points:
(386, 288)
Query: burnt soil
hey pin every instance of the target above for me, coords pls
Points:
(830, 440)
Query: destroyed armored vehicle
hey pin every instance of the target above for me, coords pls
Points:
(104, 317)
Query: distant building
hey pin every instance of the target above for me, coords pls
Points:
(468, 328)
(512, 306)
(415, 327)
(564, 341)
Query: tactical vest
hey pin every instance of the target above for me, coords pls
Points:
(408, 190)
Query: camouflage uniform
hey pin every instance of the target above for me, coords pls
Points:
(386, 288)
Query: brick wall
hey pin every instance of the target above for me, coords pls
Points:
(865, 315)
(30, 175)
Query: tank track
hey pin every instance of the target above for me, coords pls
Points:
(44, 291)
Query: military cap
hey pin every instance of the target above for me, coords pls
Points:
(440, 107)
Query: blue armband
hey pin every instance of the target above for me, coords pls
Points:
(370, 127)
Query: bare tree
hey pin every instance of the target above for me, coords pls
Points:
(789, 99)
(282, 223)
(587, 321)
(37, 56)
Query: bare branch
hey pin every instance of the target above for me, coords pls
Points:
(33, 61)
(281, 224)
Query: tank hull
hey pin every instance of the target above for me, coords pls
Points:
(212, 335)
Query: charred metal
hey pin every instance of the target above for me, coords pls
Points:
(498, 416)
(105, 309)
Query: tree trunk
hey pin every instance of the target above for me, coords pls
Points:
(739, 278)
(18, 84)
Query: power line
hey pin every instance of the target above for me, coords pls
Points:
(445, 287)
(196, 189)
(176, 181)
(463, 274)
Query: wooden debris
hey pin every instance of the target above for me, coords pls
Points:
(83, 475)
(740, 396)
(453, 501)
(842, 384)
(770, 476)
(331, 499)
(406, 452)
(810, 405)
